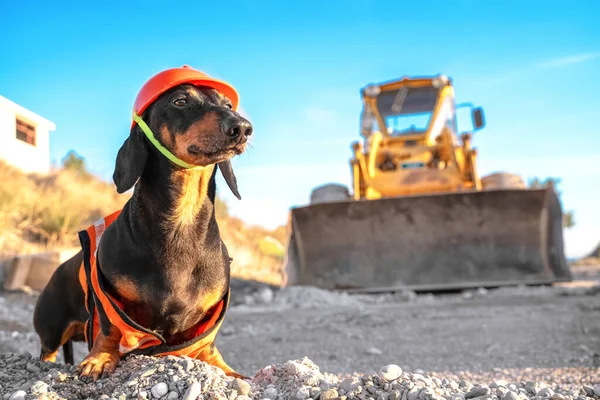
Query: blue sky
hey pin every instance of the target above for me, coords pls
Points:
(298, 66)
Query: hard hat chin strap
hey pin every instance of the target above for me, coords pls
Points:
(148, 132)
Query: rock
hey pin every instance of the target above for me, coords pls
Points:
(147, 372)
(173, 396)
(193, 391)
(241, 386)
(347, 385)
(478, 392)
(39, 387)
(159, 390)
(188, 365)
(31, 367)
(413, 394)
(264, 295)
(295, 368)
(374, 351)
(270, 393)
(18, 395)
(589, 390)
(557, 396)
(597, 389)
(314, 392)
(329, 394)
(545, 392)
(394, 395)
(534, 387)
(303, 393)
(390, 372)
(498, 383)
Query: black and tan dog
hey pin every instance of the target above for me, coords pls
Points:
(161, 269)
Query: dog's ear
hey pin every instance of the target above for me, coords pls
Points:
(227, 171)
(131, 160)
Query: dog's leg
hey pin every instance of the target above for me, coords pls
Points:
(103, 357)
(60, 312)
(214, 357)
(51, 345)
(68, 352)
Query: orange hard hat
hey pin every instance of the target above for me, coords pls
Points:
(170, 78)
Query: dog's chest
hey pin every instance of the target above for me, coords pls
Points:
(172, 308)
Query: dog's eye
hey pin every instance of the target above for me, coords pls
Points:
(180, 102)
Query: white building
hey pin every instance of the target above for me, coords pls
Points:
(24, 138)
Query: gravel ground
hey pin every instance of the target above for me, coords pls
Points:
(505, 344)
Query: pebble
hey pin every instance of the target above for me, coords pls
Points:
(394, 395)
(241, 386)
(478, 392)
(188, 365)
(265, 296)
(39, 387)
(18, 395)
(159, 390)
(347, 385)
(193, 391)
(329, 394)
(498, 383)
(589, 390)
(147, 372)
(374, 350)
(270, 393)
(303, 393)
(545, 392)
(390, 372)
(31, 367)
(597, 390)
(173, 395)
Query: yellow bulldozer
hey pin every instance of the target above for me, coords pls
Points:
(419, 216)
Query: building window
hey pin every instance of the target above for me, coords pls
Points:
(25, 132)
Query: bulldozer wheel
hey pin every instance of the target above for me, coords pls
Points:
(331, 192)
(502, 180)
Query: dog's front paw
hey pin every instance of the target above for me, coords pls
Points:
(95, 365)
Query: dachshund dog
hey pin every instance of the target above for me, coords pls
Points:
(161, 266)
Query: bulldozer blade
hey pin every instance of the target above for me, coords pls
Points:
(435, 242)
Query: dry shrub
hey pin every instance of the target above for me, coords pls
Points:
(48, 211)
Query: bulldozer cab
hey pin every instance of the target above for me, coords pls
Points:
(410, 131)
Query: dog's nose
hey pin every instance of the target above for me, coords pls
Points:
(235, 127)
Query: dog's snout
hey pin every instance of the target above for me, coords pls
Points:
(235, 127)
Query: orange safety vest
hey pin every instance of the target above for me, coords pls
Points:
(135, 339)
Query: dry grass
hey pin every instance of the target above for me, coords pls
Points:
(40, 213)
(44, 212)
